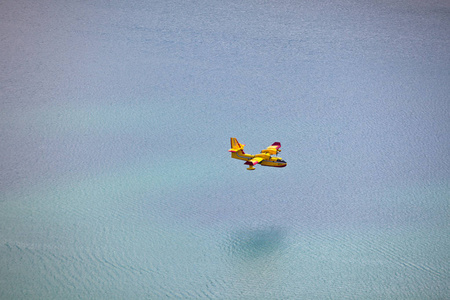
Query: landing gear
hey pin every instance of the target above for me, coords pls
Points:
(251, 168)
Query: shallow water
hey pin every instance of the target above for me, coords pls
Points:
(115, 122)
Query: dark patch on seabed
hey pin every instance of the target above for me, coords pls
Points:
(256, 243)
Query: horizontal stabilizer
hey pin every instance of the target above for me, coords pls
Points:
(236, 146)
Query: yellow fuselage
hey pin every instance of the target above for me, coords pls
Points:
(267, 159)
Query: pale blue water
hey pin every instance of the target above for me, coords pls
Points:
(115, 120)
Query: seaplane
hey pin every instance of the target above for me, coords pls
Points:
(264, 158)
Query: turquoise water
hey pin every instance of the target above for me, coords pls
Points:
(115, 178)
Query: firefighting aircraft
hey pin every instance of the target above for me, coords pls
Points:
(264, 158)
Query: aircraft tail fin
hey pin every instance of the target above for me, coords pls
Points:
(236, 146)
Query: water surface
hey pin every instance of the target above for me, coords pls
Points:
(115, 121)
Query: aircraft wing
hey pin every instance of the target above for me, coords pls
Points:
(254, 161)
(272, 149)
